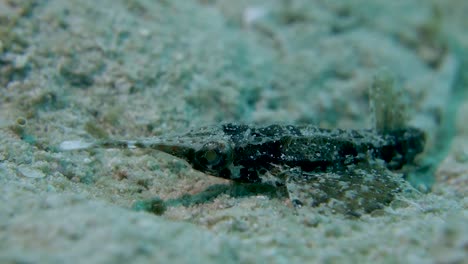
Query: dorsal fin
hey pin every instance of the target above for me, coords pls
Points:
(386, 103)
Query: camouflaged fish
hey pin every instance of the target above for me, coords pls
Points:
(315, 164)
(346, 168)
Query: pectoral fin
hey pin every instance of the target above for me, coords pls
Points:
(354, 190)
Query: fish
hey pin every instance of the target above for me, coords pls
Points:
(316, 165)
(351, 171)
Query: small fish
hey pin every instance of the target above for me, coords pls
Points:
(348, 169)
(315, 164)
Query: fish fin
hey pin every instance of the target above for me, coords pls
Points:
(387, 103)
(70, 145)
(354, 190)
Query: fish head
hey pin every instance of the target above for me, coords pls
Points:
(406, 145)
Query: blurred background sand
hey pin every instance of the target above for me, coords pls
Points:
(135, 68)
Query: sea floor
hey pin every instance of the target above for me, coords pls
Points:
(82, 70)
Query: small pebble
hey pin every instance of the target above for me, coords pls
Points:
(27, 172)
(154, 205)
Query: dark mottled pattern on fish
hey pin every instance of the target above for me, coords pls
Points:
(315, 149)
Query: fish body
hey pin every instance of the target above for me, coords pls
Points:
(348, 170)
(315, 164)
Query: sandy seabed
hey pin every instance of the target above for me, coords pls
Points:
(87, 69)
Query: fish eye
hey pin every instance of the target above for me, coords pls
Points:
(211, 156)
(214, 155)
